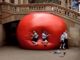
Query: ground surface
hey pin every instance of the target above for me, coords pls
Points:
(16, 53)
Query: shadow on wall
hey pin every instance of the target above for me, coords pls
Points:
(10, 31)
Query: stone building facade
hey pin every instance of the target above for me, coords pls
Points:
(64, 3)
(73, 27)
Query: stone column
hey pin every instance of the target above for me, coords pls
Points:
(7, 1)
(21, 1)
(68, 3)
(16, 1)
(63, 3)
(79, 6)
(1, 34)
(0, 0)
(25, 1)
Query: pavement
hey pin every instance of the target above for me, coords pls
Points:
(16, 53)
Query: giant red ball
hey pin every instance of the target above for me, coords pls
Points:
(39, 22)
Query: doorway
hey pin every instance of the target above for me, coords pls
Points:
(10, 33)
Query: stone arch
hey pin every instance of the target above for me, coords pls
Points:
(10, 33)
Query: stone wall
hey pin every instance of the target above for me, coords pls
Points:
(16, 1)
(73, 33)
(18, 12)
(2, 35)
(72, 29)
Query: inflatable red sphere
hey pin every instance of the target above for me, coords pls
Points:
(39, 22)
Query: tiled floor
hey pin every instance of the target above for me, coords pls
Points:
(15, 53)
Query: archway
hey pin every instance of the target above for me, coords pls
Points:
(10, 33)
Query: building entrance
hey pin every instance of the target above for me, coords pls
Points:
(10, 33)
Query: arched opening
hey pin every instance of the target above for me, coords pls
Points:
(10, 33)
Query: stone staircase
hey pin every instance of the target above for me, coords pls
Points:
(10, 12)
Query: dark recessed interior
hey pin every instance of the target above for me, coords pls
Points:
(10, 33)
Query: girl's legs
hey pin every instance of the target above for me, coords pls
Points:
(35, 41)
(45, 41)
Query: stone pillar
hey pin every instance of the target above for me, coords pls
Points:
(63, 3)
(0, 0)
(15, 1)
(79, 6)
(68, 3)
(1, 35)
(7, 1)
(21, 1)
(25, 1)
